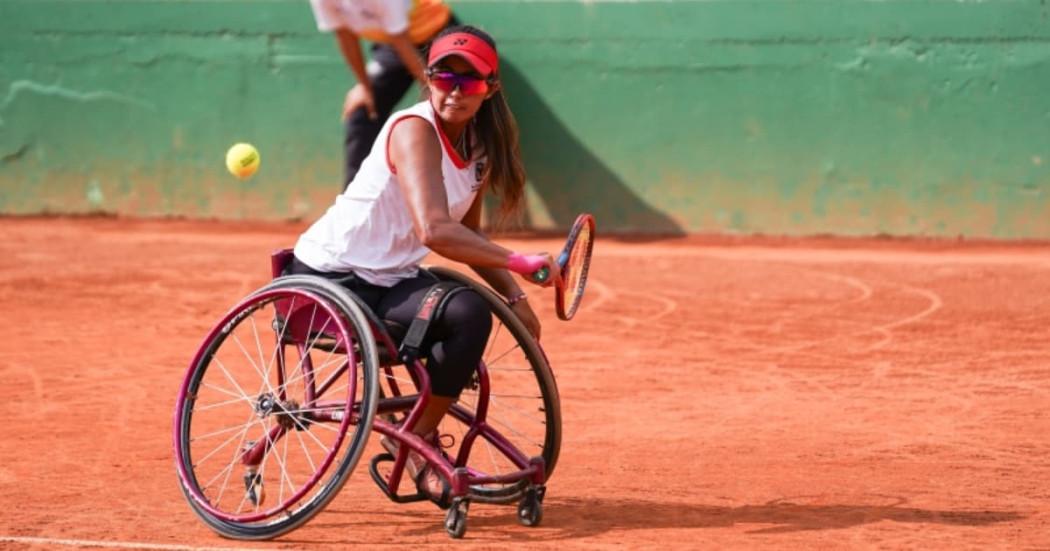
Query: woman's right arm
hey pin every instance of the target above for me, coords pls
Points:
(416, 155)
(500, 279)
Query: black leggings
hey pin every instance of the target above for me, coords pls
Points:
(455, 340)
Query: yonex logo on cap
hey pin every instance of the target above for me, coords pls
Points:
(480, 54)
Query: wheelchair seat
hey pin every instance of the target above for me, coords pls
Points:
(280, 259)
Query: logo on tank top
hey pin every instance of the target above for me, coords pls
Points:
(364, 12)
(479, 172)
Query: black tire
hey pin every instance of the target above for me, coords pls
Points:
(540, 382)
(346, 441)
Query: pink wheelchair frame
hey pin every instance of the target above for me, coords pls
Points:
(244, 412)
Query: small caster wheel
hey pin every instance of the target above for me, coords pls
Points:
(456, 518)
(253, 488)
(530, 510)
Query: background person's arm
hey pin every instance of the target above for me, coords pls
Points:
(410, 56)
(350, 47)
(361, 94)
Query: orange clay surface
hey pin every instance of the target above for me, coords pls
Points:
(716, 393)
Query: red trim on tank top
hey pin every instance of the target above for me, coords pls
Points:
(452, 153)
(389, 163)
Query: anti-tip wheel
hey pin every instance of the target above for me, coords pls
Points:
(530, 509)
(456, 518)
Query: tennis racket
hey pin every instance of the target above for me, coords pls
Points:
(574, 261)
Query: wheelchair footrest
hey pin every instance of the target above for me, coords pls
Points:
(373, 469)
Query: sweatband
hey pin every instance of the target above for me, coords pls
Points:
(525, 264)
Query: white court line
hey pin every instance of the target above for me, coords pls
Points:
(1034, 257)
(117, 544)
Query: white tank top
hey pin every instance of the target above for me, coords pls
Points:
(369, 230)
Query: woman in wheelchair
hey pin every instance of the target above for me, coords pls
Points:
(420, 190)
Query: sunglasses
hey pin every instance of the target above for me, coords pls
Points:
(469, 85)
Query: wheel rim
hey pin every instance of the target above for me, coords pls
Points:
(259, 382)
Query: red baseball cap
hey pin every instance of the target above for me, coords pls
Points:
(472, 48)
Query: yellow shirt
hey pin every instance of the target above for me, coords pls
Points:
(377, 20)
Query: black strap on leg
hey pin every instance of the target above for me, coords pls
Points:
(431, 307)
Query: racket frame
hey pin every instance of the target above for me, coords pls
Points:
(567, 311)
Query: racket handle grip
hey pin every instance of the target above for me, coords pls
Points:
(563, 259)
(541, 275)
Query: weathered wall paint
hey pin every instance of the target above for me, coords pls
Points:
(926, 117)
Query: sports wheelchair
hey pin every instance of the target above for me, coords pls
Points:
(277, 406)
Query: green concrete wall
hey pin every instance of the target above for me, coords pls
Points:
(927, 117)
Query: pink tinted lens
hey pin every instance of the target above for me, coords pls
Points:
(468, 85)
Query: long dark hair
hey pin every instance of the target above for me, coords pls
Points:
(495, 127)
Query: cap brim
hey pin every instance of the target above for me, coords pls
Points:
(475, 61)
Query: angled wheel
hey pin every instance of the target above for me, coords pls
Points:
(276, 408)
(456, 518)
(523, 401)
(530, 510)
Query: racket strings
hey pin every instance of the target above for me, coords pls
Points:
(575, 273)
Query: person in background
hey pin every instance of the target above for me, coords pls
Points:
(399, 31)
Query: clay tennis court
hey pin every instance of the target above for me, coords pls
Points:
(716, 393)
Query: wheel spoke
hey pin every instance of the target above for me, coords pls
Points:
(224, 403)
(224, 391)
(397, 379)
(258, 346)
(284, 473)
(230, 378)
(199, 437)
(306, 452)
(492, 456)
(251, 362)
(317, 370)
(520, 412)
(279, 345)
(490, 363)
(494, 337)
(229, 466)
(505, 425)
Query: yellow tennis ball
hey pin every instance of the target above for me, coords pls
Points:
(242, 160)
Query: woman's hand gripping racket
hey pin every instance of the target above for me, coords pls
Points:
(574, 262)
